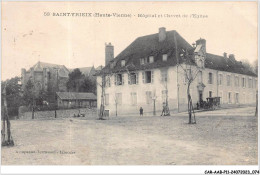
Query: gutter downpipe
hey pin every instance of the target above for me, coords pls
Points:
(177, 57)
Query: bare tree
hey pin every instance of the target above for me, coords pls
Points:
(6, 121)
(164, 80)
(104, 80)
(116, 98)
(190, 71)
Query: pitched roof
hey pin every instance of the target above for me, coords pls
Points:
(76, 96)
(85, 70)
(40, 65)
(149, 45)
(226, 64)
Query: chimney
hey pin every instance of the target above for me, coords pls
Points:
(232, 56)
(203, 43)
(109, 53)
(162, 34)
(225, 55)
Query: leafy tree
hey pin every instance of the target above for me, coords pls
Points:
(13, 95)
(89, 85)
(75, 80)
(255, 66)
(28, 94)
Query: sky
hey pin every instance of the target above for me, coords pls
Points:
(29, 35)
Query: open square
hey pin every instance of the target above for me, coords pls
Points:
(221, 137)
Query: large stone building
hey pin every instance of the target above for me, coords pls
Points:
(46, 76)
(50, 77)
(153, 68)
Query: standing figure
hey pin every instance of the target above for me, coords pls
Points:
(141, 111)
(164, 109)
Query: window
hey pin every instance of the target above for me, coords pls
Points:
(200, 77)
(255, 83)
(220, 80)
(164, 58)
(142, 61)
(237, 97)
(228, 80)
(200, 63)
(148, 97)
(119, 79)
(229, 97)
(164, 75)
(236, 81)
(133, 98)
(210, 81)
(151, 59)
(118, 98)
(147, 76)
(164, 95)
(250, 83)
(122, 63)
(106, 99)
(210, 93)
(133, 78)
(221, 97)
(243, 82)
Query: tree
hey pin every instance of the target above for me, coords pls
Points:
(76, 78)
(5, 118)
(13, 95)
(28, 93)
(116, 98)
(255, 66)
(190, 71)
(105, 79)
(88, 85)
(248, 65)
(164, 80)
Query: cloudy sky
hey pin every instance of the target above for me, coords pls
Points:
(28, 35)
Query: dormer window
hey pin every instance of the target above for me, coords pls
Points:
(151, 59)
(142, 61)
(122, 63)
(164, 58)
(112, 65)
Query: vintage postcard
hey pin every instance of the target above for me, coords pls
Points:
(129, 83)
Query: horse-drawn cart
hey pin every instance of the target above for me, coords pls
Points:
(211, 104)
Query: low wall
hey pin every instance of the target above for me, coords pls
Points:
(62, 113)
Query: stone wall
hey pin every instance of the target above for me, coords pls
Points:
(66, 113)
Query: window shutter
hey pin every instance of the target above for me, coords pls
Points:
(115, 79)
(137, 77)
(151, 76)
(129, 78)
(143, 77)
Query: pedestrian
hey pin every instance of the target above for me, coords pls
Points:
(164, 109)
(141, 111)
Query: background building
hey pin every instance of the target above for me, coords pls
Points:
(51, 77)
(76, 100)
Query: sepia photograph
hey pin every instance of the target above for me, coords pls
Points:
(129, 83)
